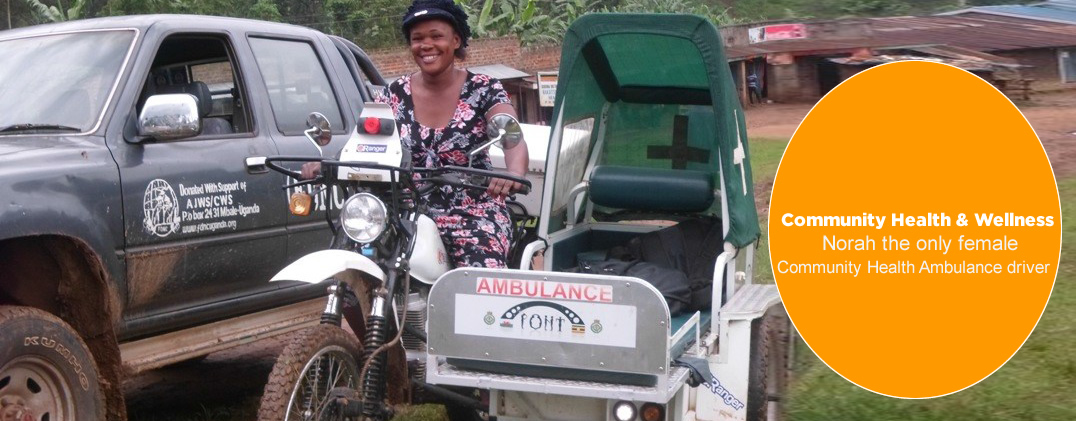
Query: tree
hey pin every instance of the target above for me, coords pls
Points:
(57, 13)
(265, 10)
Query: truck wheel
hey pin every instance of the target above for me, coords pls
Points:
(46, 372)
(768, 378)
(316, 361)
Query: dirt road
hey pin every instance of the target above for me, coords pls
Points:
(1052, 115)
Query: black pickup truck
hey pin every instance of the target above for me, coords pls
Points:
(138, 226)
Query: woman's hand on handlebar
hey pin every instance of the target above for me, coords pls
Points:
(501, 187)
(310, 170)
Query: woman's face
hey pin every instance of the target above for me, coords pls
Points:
(433, 45)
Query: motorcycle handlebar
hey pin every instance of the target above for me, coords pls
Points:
(447, 175)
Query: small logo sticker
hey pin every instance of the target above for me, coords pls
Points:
(490, 319)
(596, 327)
(373, 148)
(717, 389)
(160, 208)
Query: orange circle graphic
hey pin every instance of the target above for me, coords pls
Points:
(915, 229)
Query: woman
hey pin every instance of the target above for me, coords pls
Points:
(441, 113)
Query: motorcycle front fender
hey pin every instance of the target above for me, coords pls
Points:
(321, 265)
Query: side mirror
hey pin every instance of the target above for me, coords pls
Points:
(169, 116)
(319, 131)
(503, 130)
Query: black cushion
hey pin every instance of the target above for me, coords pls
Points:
(651, 189)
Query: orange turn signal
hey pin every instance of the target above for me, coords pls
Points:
(652, 412)
(299, 203)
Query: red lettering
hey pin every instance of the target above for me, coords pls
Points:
(559, 291)
(532, 289)
(575, 292)
(589, 293)
(500, 286)
(516, 288)
(606, 295)
(483, 286)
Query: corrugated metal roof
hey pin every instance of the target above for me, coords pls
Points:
(970, 65)
(499, 71)
(808, 46)
(974, 32)
(1050, 11)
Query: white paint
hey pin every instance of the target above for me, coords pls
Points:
(161, 214)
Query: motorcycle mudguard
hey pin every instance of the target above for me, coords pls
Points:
(320, 265)
(429, 260)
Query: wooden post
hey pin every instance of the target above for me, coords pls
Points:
(743, 82)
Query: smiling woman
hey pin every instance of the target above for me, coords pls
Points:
(442, 114)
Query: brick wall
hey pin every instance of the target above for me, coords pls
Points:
(397, 61)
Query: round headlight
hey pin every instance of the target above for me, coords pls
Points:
(363, 217)
(624, 411)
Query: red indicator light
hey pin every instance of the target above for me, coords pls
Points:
(372, 125)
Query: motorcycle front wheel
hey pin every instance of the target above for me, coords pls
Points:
(314, 362)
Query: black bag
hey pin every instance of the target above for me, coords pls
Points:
(671, 283)
(690, 247)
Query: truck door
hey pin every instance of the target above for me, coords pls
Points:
(201, 228)
(301, 76)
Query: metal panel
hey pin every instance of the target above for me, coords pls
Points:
(667, 387)
(550, 319)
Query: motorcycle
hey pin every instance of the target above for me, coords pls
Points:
(385, 255)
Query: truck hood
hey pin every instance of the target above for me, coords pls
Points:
(26, 152)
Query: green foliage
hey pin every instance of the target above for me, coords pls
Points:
(717, 14)
(875, 7)
(532, 21)
(265, 10)
(47, 13)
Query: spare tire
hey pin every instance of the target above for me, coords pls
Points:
(46, 371)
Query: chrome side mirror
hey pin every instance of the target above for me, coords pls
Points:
(503, 130)
(169, 116)
(319, 132)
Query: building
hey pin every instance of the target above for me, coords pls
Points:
(801, 61)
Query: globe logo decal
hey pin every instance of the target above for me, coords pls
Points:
(161, 209)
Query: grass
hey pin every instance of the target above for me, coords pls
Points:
(1038, 383)
(765, 156)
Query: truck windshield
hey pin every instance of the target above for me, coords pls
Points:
(59, 82)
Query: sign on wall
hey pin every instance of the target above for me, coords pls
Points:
(777, 32)
(547, 88)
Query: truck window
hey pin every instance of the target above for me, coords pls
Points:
(296, 82)
(203, 66)
(61, 80)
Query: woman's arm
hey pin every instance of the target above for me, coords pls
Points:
(516, 158)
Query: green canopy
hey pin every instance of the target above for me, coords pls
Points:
(667, 93)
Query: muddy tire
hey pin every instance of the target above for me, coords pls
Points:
(46, 371)
(768, 376)
(314, 362)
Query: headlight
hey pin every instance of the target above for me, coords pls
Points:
(624, 411)
(363, 217)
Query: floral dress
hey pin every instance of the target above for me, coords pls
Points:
(474, 225)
